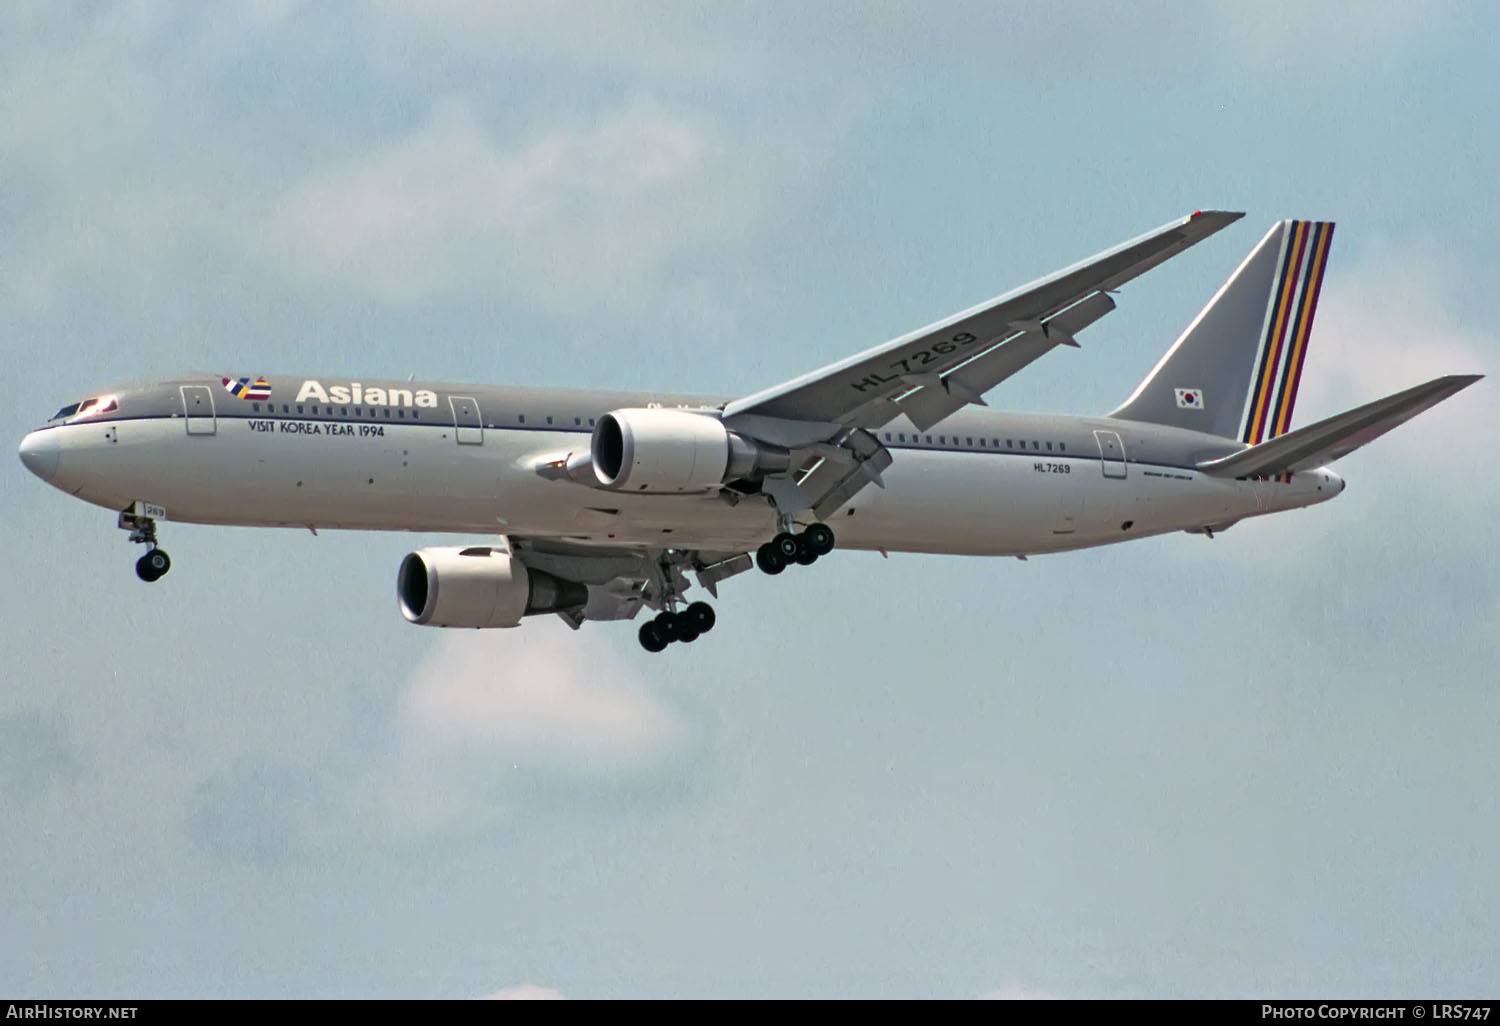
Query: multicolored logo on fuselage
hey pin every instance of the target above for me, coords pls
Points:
(244, 388)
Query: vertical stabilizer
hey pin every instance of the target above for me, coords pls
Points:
(1234, 372)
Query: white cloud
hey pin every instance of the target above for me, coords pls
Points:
(1386, 325)
(544, 697)
(492, 728)
(525, 992)
(494, 718)
(448, 207)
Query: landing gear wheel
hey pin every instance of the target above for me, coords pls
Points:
(651, 639)
(820, 537)
(806, 555)
(786, 546)
(769, 559)
(153, 565)
(701, 616)
(687, 634)
(669, 626)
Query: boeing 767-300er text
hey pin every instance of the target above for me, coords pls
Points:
(595, 504)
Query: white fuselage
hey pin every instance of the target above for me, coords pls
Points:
(288, 471)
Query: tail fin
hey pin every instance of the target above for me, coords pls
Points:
(1234, 372)
(1327, 440)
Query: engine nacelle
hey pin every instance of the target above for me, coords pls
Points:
(675, 451)
(478, 587)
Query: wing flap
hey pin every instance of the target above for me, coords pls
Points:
(842, 472)
(1327, 440)
(966, 384)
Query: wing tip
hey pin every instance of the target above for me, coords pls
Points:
(1200, 224)
(1453, 383)
(1223, 216)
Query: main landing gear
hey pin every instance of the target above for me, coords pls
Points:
(667, 626)
(787, 548)
(155, 563)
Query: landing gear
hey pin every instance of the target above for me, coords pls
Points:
(787, 548)
(701, 616)
(667, 627)
(651, 637)
(769, 560)
(820, 537)
(155, 563)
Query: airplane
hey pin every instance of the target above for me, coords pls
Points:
(594, 505)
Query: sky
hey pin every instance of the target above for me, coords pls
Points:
(1258, 765)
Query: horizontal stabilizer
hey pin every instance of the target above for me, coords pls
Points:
(1327, 440)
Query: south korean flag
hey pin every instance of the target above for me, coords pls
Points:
(1190, 398)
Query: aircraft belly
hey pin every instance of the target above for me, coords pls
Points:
(418, 478)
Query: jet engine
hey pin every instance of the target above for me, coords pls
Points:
(675, 451)
(478, 587)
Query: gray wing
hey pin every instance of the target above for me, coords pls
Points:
(964, 355)
(828, 417)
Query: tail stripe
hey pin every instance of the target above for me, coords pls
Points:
(1291, 377)
(1276, 323)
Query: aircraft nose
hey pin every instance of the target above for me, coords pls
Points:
(39, 453)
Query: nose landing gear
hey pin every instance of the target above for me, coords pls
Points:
(140, 520)
(153, 565)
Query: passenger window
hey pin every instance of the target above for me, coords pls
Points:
(299, 407)
(929, 439)
(1062, 446)
(415, 414)
(549, 420)
(522, 418)
(343, 410)
(887, 436)
(387, 413)
(981, 443)
(256, 407)
(942, 440)
(969, 441)
(577, 421)
(901, 437)
(1049, 446)
(1008, 444)
(401, 414)
(591, 422)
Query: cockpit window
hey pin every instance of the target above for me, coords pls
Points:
(90, 407)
